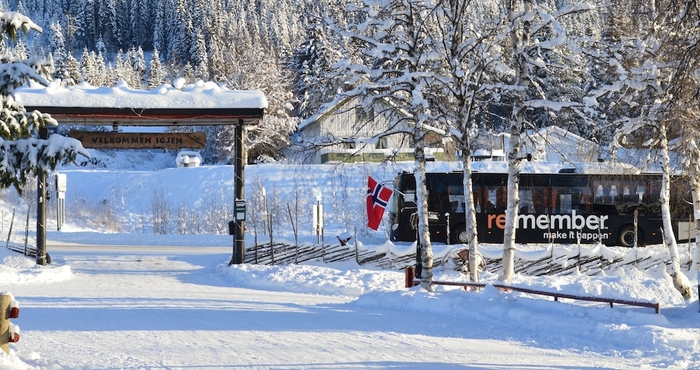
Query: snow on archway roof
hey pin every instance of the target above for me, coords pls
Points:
(200, 95)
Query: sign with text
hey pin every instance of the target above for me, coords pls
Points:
(140, 140)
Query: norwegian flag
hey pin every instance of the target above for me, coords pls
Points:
(377, 200)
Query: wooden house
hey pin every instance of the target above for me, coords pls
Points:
(348, 132)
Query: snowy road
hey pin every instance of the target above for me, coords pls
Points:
(173, 308)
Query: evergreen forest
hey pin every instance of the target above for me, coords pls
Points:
(290, 49)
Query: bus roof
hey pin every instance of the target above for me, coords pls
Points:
(543, 167)
(558, 167)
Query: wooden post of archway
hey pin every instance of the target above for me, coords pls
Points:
(41, 209)
(239, 194)
(165, 108)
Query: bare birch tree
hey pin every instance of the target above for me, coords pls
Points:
(466, 38)
(655, 91)
(534, 35)
(389, 65)
(682, 19)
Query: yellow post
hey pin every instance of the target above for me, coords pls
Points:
(5, 300)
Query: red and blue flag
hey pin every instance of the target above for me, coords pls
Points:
(378, 197)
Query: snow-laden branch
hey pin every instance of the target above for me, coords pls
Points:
(553, 105)
(24, 157)
(13, 22)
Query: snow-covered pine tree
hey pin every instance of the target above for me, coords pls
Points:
(312, 64)
(101, 70)
(86, 65)
(217, 57)
(92, 20)
(188, 73)
(124, 71)
(269, 138)
(78, 27)
(90, 69)
(185, 36)
(147, 18)
(138, 64)
(20, 154)
(160, 37)
(58, 50)
(136, 22)
(156, 74)
(107, 13)
(200, 57)
(174, 25)
(20, 50)
(73, 75)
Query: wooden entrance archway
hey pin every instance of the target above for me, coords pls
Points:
(196, 105)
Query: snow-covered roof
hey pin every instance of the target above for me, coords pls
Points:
(334, 106)
(324, 111)
(199, 103)
(556, 131)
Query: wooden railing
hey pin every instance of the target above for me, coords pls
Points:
(411, 281)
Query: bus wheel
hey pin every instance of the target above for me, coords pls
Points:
(627, 237)
(459, 235)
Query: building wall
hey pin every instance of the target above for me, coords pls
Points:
(347, 123)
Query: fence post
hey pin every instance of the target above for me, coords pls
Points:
(410, 276)
(9, 232)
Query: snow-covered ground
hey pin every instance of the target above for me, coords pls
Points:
(129, 299)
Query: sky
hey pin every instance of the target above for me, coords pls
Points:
(129, 299)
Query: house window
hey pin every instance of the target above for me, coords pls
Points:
(363, 116)
(348, 144)
(382, 143)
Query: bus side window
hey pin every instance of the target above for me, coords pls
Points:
(604, 193)
(439, 197)
(655, 192)
(599, 193)
(538, 200)
(586, 198)
(479, 199)
(607, 197)
(614, 195)
(501, 199)
(526, 201)
(640, 193)
(565, 202)
(654, 197)
(490, 199)
(456, 198)
(630, 194)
